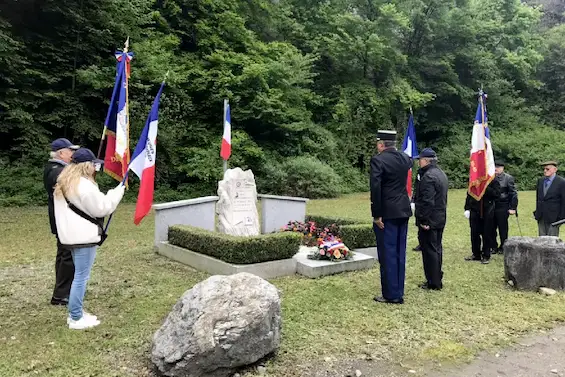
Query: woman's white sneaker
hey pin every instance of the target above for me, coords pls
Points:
(84, 314)
(83, 323)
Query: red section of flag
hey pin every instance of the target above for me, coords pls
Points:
(112, 166)
(145, 197)
(409, 183)
(225, 152)
(478, 174)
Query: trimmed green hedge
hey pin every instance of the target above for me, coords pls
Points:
(234, 249)
(354, 234)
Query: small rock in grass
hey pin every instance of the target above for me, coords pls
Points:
(547, 291)
(412, 371)
(261, 370)
(358, 373)
(554, 371)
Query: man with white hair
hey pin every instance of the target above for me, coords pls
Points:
(61, 153)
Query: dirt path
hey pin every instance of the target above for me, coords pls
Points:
(535, 356)
(541, 355)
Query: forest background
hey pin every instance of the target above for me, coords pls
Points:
(309, 83)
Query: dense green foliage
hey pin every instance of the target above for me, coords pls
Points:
(309, 82)
(234, 249)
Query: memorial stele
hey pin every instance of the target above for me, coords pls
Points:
(237, 204)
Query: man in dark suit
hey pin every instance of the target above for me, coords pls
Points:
(61, 153)
(550, 202)
(481, 219)
(504, 206)
(390, 207)
(431, 215)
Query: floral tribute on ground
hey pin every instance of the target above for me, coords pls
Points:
(328, 245)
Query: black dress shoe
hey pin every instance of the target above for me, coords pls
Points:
(429, 287)
(59, 301)
(472, 258)
(386, 301)
(485, 261)
(417, 248)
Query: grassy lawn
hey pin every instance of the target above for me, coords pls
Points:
(132, 289)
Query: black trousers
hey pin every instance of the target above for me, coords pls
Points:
(432, 255)
(482, 234)
(64, 272)
(501, 225)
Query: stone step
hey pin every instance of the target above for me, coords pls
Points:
(316, 268)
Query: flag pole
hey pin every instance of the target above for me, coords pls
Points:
(223, 126)
(126, 48)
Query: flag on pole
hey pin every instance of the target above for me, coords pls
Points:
(143, 161)
(116, 126)
(409, 147)
(225, 151)
(481, 171)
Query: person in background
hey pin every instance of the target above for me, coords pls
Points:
(481, 219)
(390, 207)
(504, 206)
(550, 200)
(80, 209)
(413, 204)
(431, 216)
(61, 153)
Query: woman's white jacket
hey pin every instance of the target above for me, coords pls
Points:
(74, 230)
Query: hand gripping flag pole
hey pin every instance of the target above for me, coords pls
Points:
(143, 161)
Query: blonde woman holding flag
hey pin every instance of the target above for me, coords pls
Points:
(80, 208)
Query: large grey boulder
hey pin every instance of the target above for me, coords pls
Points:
(531, 263)
(222, 323)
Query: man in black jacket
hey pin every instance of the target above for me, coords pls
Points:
(390, 207)
(504, 206)
(550, 200)
(431, 214)
(481, 219)
(61, 153)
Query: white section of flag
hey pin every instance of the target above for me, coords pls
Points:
(146, 159)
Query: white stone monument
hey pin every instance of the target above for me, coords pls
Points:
(237, 206)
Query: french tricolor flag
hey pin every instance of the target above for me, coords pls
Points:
(143, 161)
(225, 151)
(409, 147)
(481, 171)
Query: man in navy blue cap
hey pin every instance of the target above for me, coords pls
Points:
(61, 154)
(431, 215)
(390, 207)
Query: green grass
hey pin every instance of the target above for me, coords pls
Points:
(132, 289)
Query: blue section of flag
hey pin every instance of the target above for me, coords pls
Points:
(481, 115)
(110, 121)
(410, 136)
(228, 116)
(153, 115)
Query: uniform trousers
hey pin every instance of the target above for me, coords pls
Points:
(391, 250)
(432, 255)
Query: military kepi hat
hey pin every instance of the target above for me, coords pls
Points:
(427, 153)
(386, 135)
(499, 163)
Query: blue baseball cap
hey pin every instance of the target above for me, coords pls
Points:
(427, 153)
(62, 143)
(85, 155)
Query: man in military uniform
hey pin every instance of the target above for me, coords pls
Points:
(61, 153)
(431, 215)
(390, 207)
(504, 206)
(481, 219)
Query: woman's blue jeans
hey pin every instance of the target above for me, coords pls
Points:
(83, 258)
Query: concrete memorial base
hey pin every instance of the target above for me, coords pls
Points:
(299, 264)
(316, 268)
(531, 263)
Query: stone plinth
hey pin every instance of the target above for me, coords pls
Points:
(197, 212)
(316, 268)
(277, 211)
(531, 263)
